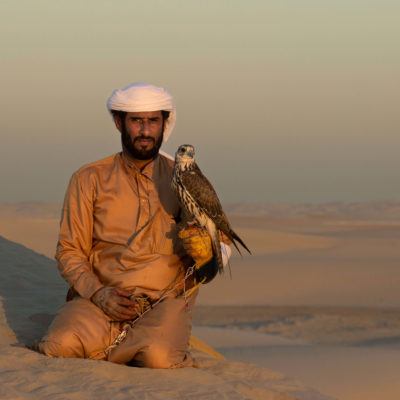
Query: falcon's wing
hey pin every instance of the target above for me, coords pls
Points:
(201, 190)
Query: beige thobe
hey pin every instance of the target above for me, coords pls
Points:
(118, 228)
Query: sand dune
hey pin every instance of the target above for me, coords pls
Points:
(272, 242)
(268, 229)
(360, 326)
(347, 373)
(312, 262)
(39, 234)
(375, 210)
(350, 353)
(26, 375)
(30, 292)
(322, 286)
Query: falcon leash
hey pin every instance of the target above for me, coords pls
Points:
(145, 306)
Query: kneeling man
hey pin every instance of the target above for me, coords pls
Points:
(119, 248)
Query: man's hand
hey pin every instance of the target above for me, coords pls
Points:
(115, 303)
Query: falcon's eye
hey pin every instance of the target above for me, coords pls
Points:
(182, 150)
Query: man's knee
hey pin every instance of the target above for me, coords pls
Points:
(78, 330)
(65, 344)
(159, 355)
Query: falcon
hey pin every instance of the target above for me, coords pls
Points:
(199, 199)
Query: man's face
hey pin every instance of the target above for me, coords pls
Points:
(142, 133)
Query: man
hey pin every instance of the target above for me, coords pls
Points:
(119, 248)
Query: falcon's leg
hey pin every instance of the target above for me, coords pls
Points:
(194, 222)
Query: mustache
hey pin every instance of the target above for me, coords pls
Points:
(143, 137)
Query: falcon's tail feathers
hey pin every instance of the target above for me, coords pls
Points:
(233, 236)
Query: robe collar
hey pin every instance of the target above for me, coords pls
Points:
(148, 170)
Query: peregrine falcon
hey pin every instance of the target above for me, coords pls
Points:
(199, 199)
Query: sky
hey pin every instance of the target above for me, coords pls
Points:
(294, 101)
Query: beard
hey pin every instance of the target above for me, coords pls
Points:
(140, 153)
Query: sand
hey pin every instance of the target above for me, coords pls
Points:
(317, 301)
(27, 375)
(330, 261)
(349, 353)
(31, 291)
(33, 224)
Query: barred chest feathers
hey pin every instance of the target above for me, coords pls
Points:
(184, 196)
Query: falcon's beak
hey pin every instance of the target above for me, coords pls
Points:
(190, 153)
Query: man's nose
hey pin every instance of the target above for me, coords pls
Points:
(145, 128)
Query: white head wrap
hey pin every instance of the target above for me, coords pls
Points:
(140, 97)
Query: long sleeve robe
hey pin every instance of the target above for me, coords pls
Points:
(118, 228)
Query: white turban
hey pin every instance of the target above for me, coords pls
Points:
(140, 97)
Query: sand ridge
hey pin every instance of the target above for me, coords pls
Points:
(30, 292)
(322, 285)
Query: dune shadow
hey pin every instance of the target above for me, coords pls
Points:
(31, 290)
(389, 342)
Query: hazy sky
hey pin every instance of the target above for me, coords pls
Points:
(285, 101)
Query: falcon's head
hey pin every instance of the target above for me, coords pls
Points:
(184, 154)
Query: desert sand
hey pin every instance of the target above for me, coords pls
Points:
(31, 291)
(318, 300)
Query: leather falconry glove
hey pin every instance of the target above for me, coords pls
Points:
(197, 244)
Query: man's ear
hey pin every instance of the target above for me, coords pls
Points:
(165, 123)
(118, 122)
